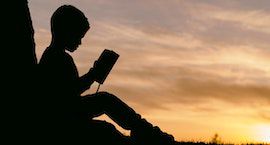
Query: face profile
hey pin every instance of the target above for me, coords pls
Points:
(73, 42)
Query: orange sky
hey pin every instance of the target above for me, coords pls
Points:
(192, 67)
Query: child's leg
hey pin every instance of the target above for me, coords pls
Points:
(142, 132)
(105, 103)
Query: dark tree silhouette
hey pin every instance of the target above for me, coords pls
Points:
(17, 73)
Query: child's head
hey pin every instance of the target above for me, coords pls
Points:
(68, 27)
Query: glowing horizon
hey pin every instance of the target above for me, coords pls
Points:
(194, 68)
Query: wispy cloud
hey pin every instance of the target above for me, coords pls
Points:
(180, 61)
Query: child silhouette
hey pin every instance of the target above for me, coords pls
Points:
(69, 109)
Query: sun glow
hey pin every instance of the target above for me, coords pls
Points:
(263, 133)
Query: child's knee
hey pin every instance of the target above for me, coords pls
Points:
(105, 96)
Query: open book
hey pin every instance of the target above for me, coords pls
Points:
(104, 64)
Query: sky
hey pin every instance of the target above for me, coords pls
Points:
(192, 67)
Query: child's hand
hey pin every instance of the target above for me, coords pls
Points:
(95, 64)
(93, 72)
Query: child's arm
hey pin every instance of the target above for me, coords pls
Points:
(86, 81)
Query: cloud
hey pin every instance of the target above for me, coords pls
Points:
(180, 61)
(186, 86)
(254, 20)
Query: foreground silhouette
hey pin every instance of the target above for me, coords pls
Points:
(18, 70)
(68, 26)
(27, 109)
(47, 106)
